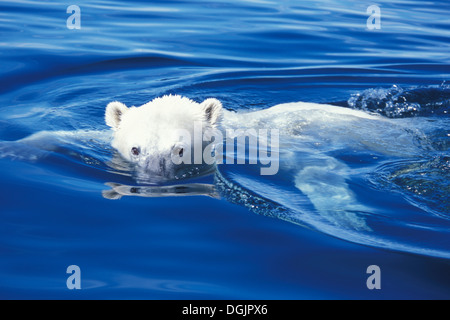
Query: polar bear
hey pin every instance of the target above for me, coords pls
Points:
(318, 175)
(151, 136)
(148, 137)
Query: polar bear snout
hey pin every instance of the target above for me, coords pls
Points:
(156, 165)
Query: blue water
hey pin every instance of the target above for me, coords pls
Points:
(253, 242)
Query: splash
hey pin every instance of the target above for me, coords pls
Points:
(397, 102)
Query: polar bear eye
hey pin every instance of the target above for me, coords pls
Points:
(135, 151)
(177, 151)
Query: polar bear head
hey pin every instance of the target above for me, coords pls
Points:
(153, 136)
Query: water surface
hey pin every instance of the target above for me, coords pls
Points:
(251, 55)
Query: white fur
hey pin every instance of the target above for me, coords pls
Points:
(154, 127)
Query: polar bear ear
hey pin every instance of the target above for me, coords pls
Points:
(212, 109)
(114, 112)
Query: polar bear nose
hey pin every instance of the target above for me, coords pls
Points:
(154, 164)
